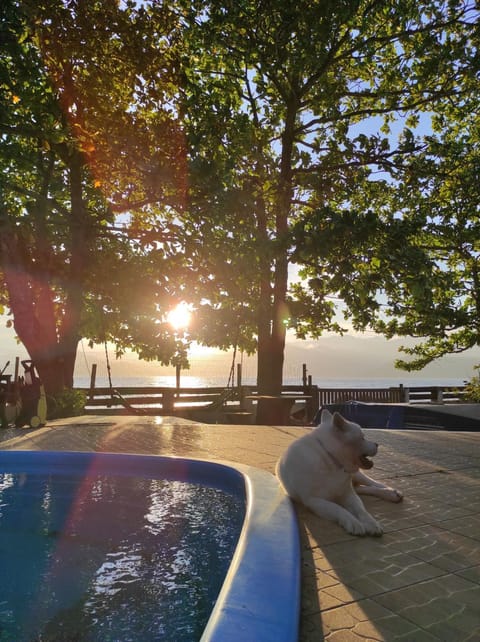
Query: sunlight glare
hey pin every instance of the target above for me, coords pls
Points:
(180, 316)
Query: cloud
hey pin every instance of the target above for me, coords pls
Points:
(373, 357)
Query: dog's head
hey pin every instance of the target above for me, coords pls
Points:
(347, 440)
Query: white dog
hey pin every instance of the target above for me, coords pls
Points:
(321, 469)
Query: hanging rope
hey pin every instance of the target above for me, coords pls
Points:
(114, 394)
(231, 376)
(87, 365)
(109, 372)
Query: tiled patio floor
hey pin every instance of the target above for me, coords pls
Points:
(419, 582)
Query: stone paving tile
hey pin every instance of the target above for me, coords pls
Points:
(444, 549)
(472, 574)
(446, 607)
(371, 567)
(474, 473)
(367, 620)
(411, 451)
(468, 526)
(323, 591)
(420, 582)
(415, 510)
(453, 488)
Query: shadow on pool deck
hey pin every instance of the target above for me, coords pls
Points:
(419, 582)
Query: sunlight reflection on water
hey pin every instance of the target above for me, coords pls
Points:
(112, 557)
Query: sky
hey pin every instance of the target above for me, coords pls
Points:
(335, 358)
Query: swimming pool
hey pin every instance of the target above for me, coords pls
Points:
(259, 596)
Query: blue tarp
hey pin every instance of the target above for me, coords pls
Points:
(368, 415)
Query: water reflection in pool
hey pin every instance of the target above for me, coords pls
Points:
(111, 557)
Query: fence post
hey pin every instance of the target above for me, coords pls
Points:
(246, 404)
(436, 395)
(168, 397)
(404, 394)
(178, 370)
(313, 404)
(93, 376)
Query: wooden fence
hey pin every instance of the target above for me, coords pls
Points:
(163, 399)
(242, 404)
(206, 404)
(400, 394)
(327, 396)
(434, 394)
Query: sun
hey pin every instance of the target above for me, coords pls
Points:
(179, 317)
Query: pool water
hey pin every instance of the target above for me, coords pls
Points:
(93, 554)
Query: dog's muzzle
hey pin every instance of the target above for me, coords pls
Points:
(365, 462)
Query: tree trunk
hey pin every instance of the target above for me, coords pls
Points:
(69, 326)
(50, 340)
(31, 303)
(56, 373)
(272, 331)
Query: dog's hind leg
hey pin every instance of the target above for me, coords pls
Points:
(354, 504)
(335, 513)
(365, 485)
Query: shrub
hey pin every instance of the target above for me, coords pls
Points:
(472, 388)
(69, 403)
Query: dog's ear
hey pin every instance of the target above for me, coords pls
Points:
(325, 416)
(338, 421)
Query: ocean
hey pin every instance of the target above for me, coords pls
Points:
(333, 363)
(212, 368)
(189, 381)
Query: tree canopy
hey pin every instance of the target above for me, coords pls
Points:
(403, 253)
(303, 120)
(413, 261)
(239, 138)
(78, 149)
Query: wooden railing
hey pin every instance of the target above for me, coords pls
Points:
(433, 394)
(327, 396)
(187, 402)
(401, 394)
(147, 398)
(239, 404)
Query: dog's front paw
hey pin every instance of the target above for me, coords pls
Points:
(391, 495)
(353, 526)
(372, 527)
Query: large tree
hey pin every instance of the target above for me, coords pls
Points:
(79, 147)
(283, 108)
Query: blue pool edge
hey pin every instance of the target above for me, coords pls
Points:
(260, 596)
